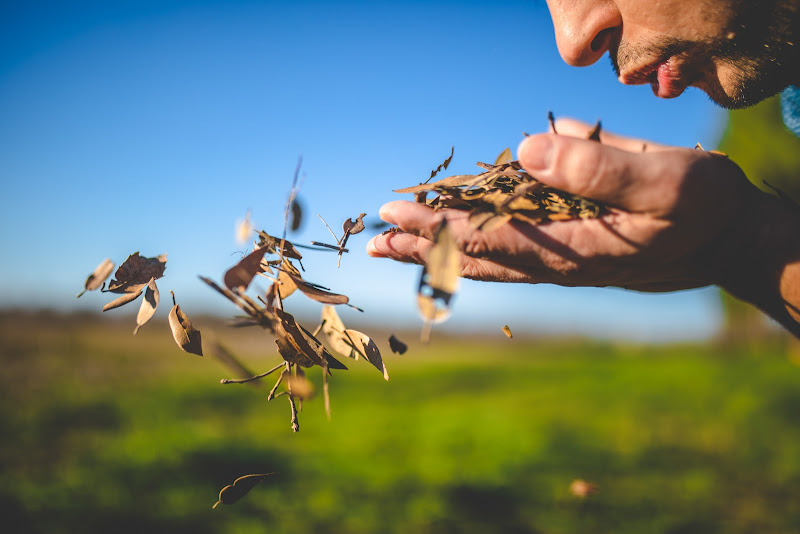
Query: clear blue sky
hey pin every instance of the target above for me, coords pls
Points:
(153, 126)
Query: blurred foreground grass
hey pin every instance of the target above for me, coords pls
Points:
(106, 432)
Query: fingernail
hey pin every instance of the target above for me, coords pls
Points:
(535, 152)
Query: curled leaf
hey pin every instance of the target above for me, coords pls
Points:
(149, 305)
(131, 295)
(185, 335)
(351, 227)
(238, 277)
(96, 279)
(507, 331)
(367, 348)
(137, 270)
(240, 487)
(397, 346)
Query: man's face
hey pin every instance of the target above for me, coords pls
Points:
(738, 51)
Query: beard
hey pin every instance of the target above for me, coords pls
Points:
(755, 60)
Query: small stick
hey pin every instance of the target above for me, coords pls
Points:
(243, 380)
(278, 383)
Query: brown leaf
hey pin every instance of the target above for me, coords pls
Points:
(595, 135)
(131, 295)
(444, 164)
(581, 488)
(507, 331)
(185, 335)
(137, 270)
(240, 487)
(149, 305)
(276, 245)
(315, 293)
(351, 227)
(297, 345)
(238, 277)
(397, 346)
(96, 279)
(367, 348)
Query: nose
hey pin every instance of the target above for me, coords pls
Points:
(584, 29)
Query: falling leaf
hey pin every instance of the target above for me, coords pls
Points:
(296, 215)
(137, 270)
(185, 335)
(129, 296)
(300, 387)
(243, 229)
(240, 487)
(351, 227)
(276, 245)
(333, 328)
(504, 157)
(96, 279)
(316, 293)
(238, 277)
(439, 279)
(149, 305)
(296, 345)
(362, 344)
(397, 346)
(581, 488)
(507, 331)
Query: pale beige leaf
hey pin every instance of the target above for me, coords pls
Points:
(444, 261)
(364, 345)
(125, 298)
(149, 305)
(333, 328)
(504, 157)
(244, 228)
(185, 335)
(96, 279)
(300, 387)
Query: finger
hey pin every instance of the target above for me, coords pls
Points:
(631, 181)
(407, 248)
(575, 128)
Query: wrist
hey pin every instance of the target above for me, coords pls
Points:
(758, 260)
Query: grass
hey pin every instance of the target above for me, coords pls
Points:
(107, 432)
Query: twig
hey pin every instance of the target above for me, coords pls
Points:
(243, 380)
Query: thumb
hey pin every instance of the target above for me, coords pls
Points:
(590, 169)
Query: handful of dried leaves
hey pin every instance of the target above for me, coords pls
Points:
(504, 191)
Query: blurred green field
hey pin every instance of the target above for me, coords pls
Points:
(106, 432)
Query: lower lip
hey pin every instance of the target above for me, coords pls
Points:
(666, 83)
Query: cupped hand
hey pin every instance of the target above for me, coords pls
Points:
(674, 221)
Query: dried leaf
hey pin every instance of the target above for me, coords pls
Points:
(315, 293)
(397, 346)
(333, 328)
(507, 331)
(137, 270)
(504, 157)
(595, 135)
(297, 345)
(581, 488)
(296, 215)
(367, 348)
(238, 277)
(149, 305)
(351, 227)
(185, 335)
(129, 296)
(276, 245)
(444, 164)
(243, 229)
(300, 387)
(240, 487)
(96, 279)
